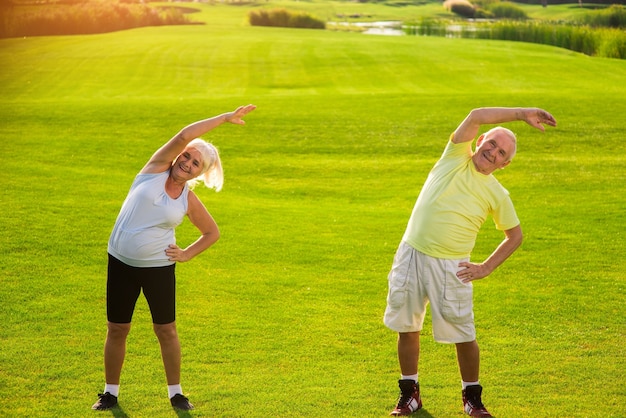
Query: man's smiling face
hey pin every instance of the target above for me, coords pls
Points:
(494, 150)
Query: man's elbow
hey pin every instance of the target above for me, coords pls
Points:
(474, 113)
(478, 115)
(516, 236)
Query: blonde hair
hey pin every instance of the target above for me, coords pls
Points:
(212, 173)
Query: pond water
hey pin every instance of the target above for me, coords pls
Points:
(396, 28)
(389, 28)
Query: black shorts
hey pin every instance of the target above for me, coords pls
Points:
(125, 283)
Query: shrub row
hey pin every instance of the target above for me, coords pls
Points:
(611, 17)
(462, 8)
(586, 2)
(79, 19)
(602, 42)
(284, 18)
(485, 9)
(507, 10)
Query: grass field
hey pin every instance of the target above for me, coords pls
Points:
(282, 317)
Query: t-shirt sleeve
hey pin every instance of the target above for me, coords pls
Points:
(504, 215)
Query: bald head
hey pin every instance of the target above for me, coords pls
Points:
(494, 150)
(507, 136)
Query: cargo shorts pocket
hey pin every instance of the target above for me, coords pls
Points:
(457, 306)
(399, 277)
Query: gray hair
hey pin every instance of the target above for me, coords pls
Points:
(507, 132)
(212, 173)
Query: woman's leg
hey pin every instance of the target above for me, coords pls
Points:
(122, 293)
(115, 351)
(170, 351)
(159, 287)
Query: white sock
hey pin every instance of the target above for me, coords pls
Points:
(112, 389)
(172, 390)
(413, 377)
(466, 384)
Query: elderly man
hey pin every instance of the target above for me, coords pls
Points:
(432, 262)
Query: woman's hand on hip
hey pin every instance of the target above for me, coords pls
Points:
(175, 253)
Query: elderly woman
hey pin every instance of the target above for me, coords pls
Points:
(143, 252)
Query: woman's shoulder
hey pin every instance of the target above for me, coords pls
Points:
(142, 178)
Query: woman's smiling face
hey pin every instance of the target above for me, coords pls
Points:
(188, 165)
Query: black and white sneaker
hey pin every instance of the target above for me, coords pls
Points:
(179, 401)
(472, 402)
(105, 402)
(409, 400)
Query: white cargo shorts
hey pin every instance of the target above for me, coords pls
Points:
(415, 280)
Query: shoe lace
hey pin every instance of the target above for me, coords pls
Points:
(404, 399)
(180, 399)
(476, 402)
(105, 398)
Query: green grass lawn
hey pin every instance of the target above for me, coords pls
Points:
(283, 316)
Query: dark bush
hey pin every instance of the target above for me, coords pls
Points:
(483, 14)
(507, 10)
(611, 17)
(462, 8)
(284, 18)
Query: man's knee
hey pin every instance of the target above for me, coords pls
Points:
(468, 351)
(409, 337)
(467, 346)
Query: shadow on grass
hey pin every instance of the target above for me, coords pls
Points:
(118, 412)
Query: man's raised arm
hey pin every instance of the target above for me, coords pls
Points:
(468, 129)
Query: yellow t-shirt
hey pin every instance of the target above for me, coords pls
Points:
(454, 203)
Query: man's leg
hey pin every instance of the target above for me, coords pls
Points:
(408, 352)
(408, 357)
(468, 356)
